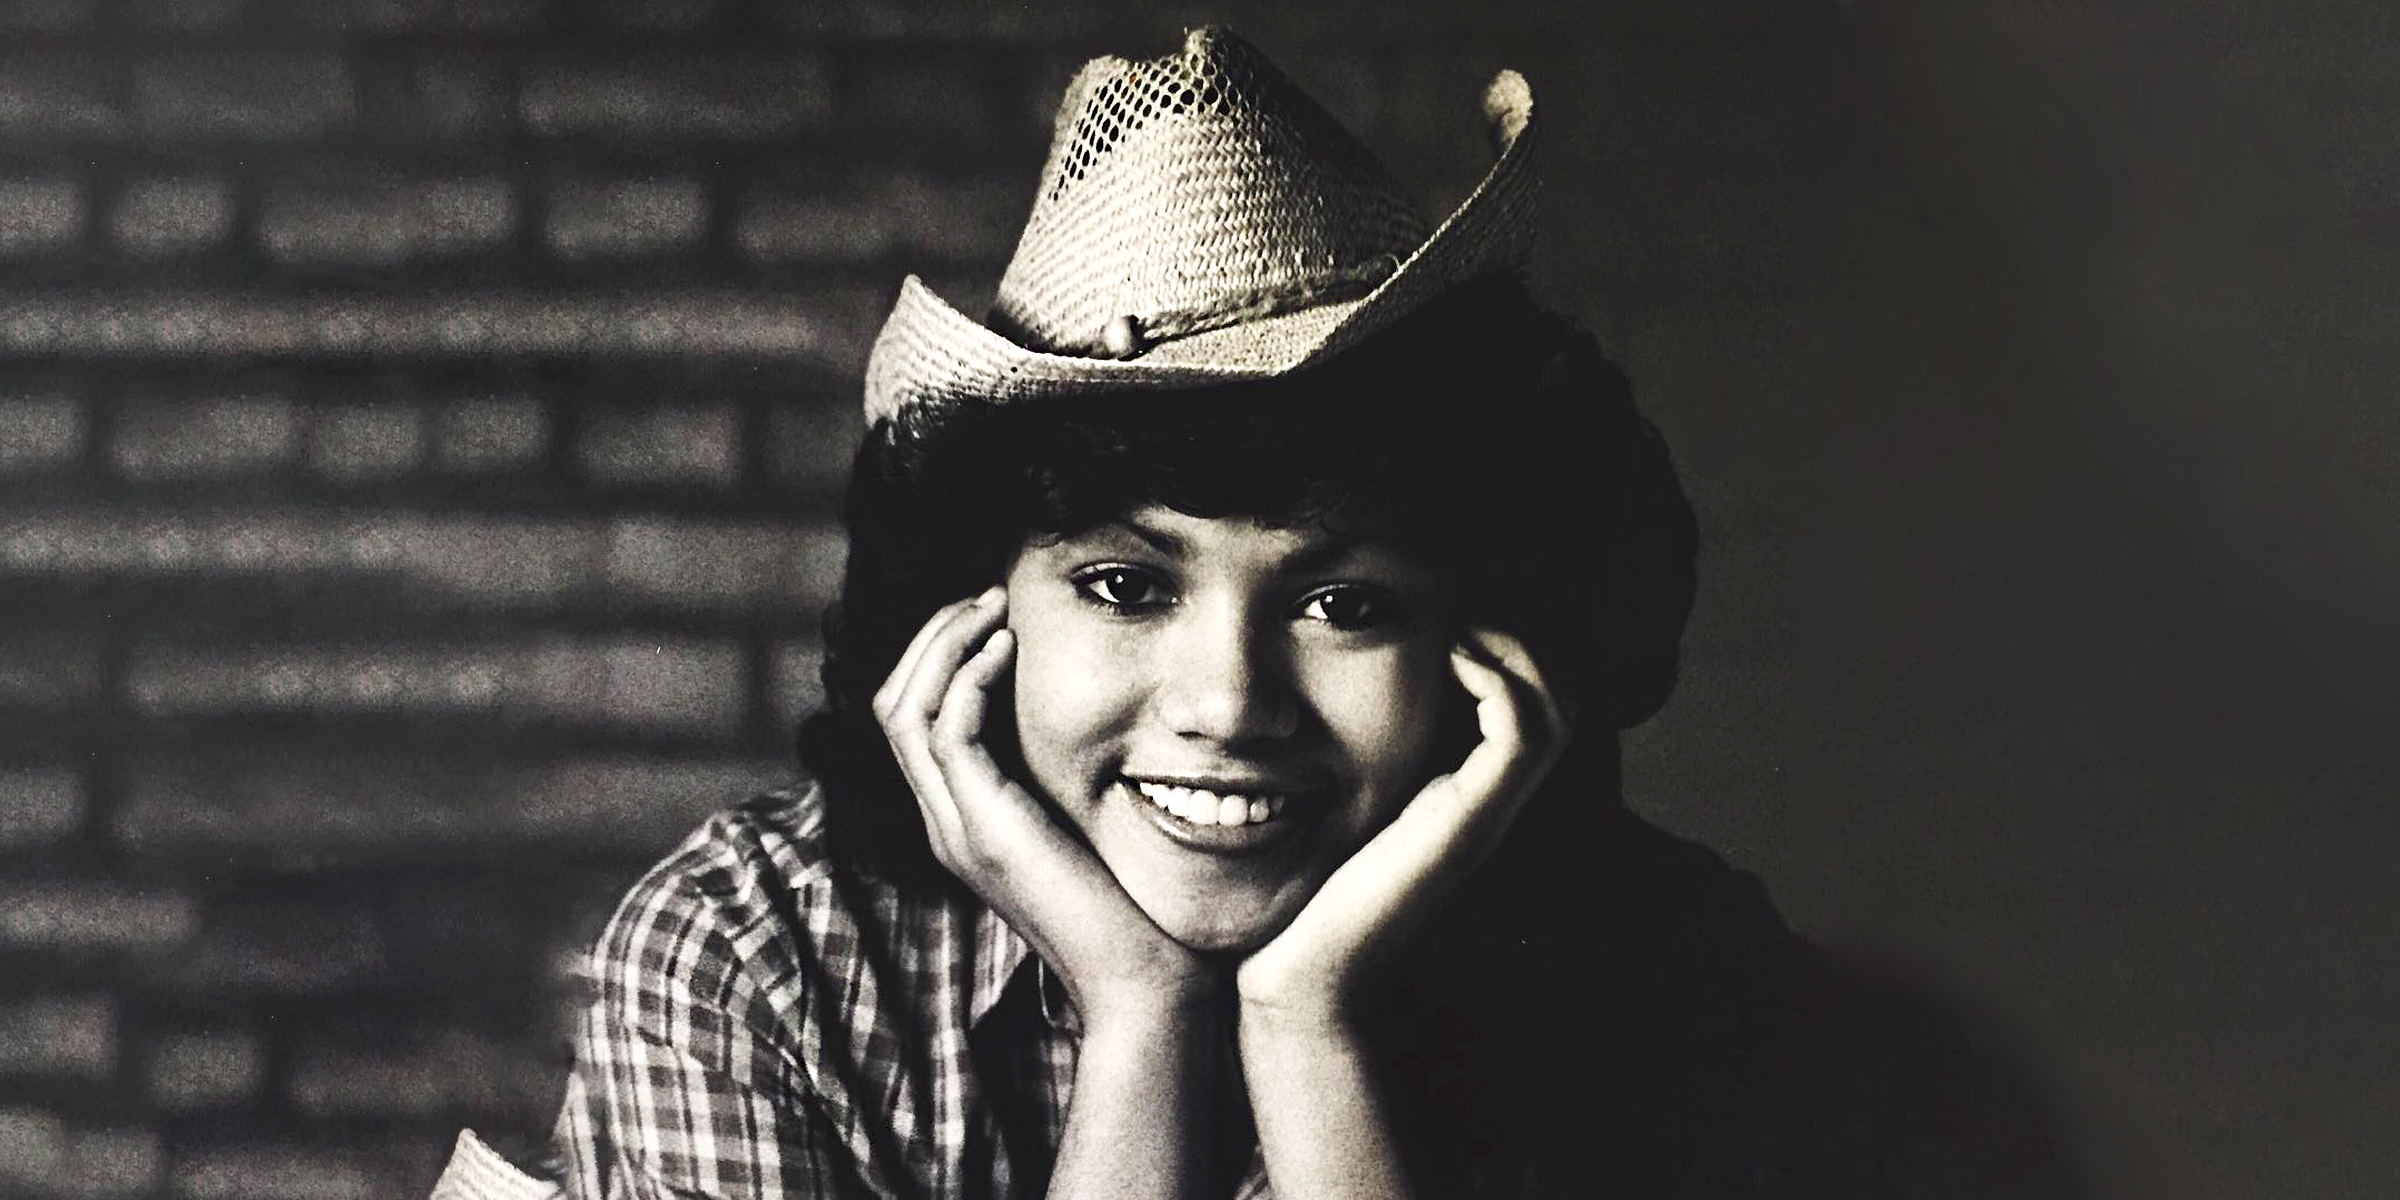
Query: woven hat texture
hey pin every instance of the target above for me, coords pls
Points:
(1202, 220)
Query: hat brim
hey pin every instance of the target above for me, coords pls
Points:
(928, 350)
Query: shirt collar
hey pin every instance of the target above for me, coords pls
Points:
(1000, 956)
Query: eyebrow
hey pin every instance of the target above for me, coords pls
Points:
(1159, 539)
(1316, 553)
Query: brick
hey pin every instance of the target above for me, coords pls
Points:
(810, 445)
(82, 915)
(925, 95)
(33, 1146)
(865, 219)
(46, 16)
(679, 685)
(698, 564)
(952, 219)
(40, 433)
(476, 560)
(387, 224)
(830, 324)
(40, 807)
(459, 96)
(783, 227)
(661, 445)
(479, 934)
(641, 15)
(729, 96)
(420, 1075)
(39, 215)
(358, 443)
(187, 16)
(68, 1037)
(206, 1069)
(203, 438)
(490, 434)
(419, 16)
(977, 21)
(708, 565)
(48, 668)
(114, 1162)
(159, 217)
(257, 95)
(48, 94)
(276, 1172)
(285, 949)
(640, 804)
(393, 807)
(625, 218)
(492, 561)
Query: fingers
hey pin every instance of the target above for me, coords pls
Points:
(1510, 655)
(944, 628)
(908, 702)
(958, 749)
(1522, 725)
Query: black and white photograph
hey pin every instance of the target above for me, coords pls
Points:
(935, 600)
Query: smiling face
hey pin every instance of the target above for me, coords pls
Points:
(1227, 710)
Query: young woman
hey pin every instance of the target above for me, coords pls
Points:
(1216, 792)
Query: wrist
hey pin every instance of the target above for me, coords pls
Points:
(1312, 1015)
(1186, 1000)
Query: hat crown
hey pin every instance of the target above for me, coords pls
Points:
(1191, 192)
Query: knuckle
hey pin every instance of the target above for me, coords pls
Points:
(966, 858)
(952, 727)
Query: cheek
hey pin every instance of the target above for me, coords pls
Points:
(1070, 700)
(1386, 710)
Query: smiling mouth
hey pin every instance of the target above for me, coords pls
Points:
(1199, 806)
(1220, 822)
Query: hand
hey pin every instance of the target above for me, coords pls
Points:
(999, 839)
(1371, 903)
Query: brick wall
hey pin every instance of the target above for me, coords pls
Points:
(420, 427)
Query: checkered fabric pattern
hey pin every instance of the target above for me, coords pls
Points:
(765, 1026)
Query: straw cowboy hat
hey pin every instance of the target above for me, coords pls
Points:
(1201, 221)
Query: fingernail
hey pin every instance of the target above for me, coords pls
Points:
(991, 596)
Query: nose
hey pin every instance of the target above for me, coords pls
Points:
(1227, 680)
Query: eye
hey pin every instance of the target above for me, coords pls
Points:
(1122, 589)
(1347, 608)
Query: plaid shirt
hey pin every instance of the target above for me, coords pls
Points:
(766, 1027)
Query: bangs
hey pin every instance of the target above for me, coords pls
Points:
(1259, 454)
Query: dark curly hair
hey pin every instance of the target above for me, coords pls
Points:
(1485, 433)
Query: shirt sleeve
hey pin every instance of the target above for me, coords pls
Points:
(679, 1088)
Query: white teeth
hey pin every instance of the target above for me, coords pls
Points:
(1201, 807)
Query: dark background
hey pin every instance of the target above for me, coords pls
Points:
(419, 423)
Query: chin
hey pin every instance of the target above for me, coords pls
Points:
(1220, 936)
